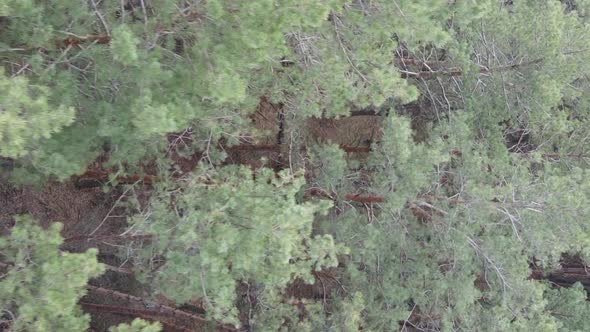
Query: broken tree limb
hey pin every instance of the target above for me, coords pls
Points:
(364, 199)
(94, 238)
(81, 40)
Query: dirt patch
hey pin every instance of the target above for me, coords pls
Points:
(354, 131)
(77, 209)
(10, 205)
(266, 121)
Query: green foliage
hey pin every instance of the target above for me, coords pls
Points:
(329, 166)
(569, 306)
(26, 116)
(344, 314)
(348, 314)
(278, 316)
(215, 69)
(123, 45)
(459, 255)
(229, 226)
(41, 288)
(401, 167)
(542, 64)
(137, 325)
(502, 177)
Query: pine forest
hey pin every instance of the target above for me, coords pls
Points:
(294, 165)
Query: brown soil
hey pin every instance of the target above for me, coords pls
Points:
(358, 131)
(80, 210)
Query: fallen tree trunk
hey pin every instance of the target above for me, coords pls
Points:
(565, 276)
(143, 314)
(151, 310)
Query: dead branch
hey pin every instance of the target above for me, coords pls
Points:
(91, 238)
(452, 72)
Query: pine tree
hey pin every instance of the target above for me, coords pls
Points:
(230, 226)
(109, 63)
(42, 285)
(455, 253)
(27, 117)
(451, 225)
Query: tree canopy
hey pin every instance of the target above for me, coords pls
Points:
(41, 285)
(451, 216)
